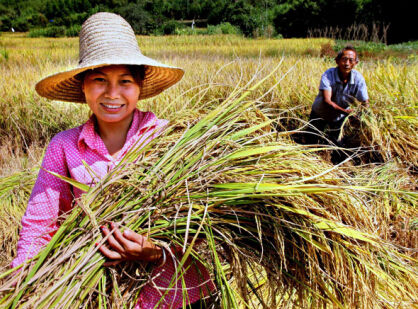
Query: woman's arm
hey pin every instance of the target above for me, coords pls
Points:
(49, 195)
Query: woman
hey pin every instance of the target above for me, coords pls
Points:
(111, 77)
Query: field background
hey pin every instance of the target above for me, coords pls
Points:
(214, 66)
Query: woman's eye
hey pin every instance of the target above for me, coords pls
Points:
(126, 81)
(99, 79)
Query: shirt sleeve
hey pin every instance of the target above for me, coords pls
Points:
(325, 83)
(49, 196)
(193, 278)
(362, 94)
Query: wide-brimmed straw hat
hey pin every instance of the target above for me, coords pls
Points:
(108, 39)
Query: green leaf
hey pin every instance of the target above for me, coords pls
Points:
(250, 130)
(75, 183)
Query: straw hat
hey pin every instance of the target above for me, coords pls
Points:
(107, 39)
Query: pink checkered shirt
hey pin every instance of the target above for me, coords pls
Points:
(51, 197)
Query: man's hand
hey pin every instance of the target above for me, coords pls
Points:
(327, 99)
(128, 246)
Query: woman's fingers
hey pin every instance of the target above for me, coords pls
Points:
(112, 263)
(113, 255)
(134, 237)
(113, 243)
(131, 248)
(128, 246)
(128, 249)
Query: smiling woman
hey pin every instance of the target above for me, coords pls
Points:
(111, 77)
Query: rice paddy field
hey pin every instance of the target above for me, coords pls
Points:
(283, 226)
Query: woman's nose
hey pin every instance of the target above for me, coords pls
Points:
(112, 91)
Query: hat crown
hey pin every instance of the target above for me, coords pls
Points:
(107, 38)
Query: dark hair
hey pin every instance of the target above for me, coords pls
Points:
(137, 72)
(341, 52)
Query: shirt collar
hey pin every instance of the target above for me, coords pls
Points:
(338, 80)
(351, 81)
(88, 135)
(141, 122)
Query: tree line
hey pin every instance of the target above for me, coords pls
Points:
(288, 18)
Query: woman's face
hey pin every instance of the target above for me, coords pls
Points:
(112, 93)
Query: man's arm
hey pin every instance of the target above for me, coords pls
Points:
(327, 99)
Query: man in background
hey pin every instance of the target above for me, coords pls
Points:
(339, 87)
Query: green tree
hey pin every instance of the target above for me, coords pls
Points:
(141, 21)
(293, 18)
(7, 15)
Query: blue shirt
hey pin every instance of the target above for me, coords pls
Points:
(341, 94)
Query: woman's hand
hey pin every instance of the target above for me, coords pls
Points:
(128, 246)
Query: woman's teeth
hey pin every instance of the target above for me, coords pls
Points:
(111, 106)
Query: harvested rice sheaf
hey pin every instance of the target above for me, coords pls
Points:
(382, 137)
(279, 225)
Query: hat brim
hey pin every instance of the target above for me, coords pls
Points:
(64, 86)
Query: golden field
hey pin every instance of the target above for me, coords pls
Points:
(214, 67)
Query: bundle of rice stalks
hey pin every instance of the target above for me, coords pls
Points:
(14, 195)
(279, 226)
(383, 137)
(393, 210)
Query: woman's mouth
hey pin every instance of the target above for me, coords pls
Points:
(112, 107)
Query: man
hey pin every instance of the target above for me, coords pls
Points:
(339, 87)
